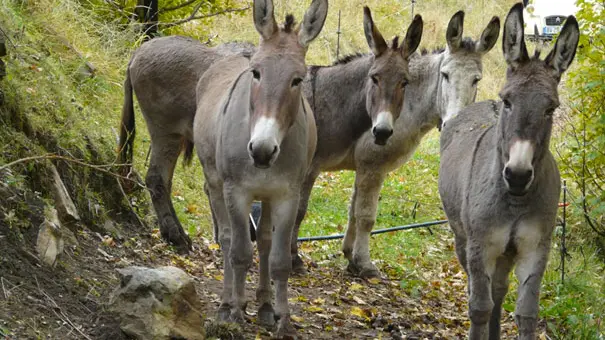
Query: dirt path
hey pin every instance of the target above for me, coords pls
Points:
(67, 302)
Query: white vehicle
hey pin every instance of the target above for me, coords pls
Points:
(547, 15)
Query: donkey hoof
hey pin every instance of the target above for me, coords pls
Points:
(298, 266)
(237, 316)
(266, 316)
(285, 330)
(353, 269)
(369, 273)
(224, 311)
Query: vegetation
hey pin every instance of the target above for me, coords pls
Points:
(63, 95)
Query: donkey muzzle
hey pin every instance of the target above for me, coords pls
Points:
(382, 134)
(263, 153)
(518, 181)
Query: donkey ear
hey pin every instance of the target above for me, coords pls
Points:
(453, 35)
(513, 43)
(313, 22)
(564, 51)
(412, 37)
(264, 20)
(489, 36)
(373, 36)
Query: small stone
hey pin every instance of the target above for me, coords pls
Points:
(50, 239)
(68, 214)
(158, 303)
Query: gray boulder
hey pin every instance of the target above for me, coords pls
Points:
(158, 303)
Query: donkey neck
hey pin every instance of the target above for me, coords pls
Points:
(420, 106)
(337, 94)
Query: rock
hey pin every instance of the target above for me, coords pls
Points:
(158, 303)
(50, 239)
(68, 214)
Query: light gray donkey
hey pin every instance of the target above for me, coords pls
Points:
(500, 184)
(163, 73)
(255, 136)
(437, 85)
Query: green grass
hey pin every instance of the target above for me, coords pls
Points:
(45, 83)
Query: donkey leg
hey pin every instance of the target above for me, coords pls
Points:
(264, 294)
(223, 227)
(215, 231)
(298, 266)
(283, 213)
(530, 268)
(238, 204)
(500, 284)
(164, 153)
(481, 264)
(367, 186)
(351, 233)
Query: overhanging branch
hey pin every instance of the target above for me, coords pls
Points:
(193, 15)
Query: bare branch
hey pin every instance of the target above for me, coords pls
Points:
(194, 17)
(184, 4)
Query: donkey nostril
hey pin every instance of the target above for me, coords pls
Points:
(507, 173)
(274, 150)
(374, 131)
(529, 173)
(250, 146)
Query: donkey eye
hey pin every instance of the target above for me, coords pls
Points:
(445, 76)
(476, 81)
(374, 80)
(404, 83)
(296, 81)
(507, 104)
(256, 74)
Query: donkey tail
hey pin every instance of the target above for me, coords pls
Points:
(127, 126)
(187, 151)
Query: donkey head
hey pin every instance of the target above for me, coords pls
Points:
(278, 68)
(461, 67)
(388, 75)
(529, 99)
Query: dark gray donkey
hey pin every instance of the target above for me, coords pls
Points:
(163, 73)
(255, 135)
(437, 85)
(500, 184)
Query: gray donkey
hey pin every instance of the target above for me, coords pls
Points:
(255, 136)
(500, 184)
(437, 85)
(163, 73)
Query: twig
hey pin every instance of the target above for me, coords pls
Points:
(184, 4)
(4, 289)
(56, 307)
(101, 168)
(9, 38)
(194, 17)
(130, 204)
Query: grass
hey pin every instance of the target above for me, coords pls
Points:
(54, 40)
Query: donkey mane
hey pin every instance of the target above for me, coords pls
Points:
(348, 58)
(289, 23)
(467, 44)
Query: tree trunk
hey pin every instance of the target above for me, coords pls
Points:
(148, 15)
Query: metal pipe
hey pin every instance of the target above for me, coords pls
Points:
(379, 231)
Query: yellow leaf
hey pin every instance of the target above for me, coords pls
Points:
(296, 318)
(319, 301)
(218, 277)
(301, 298)
(214, 246)
(356, 286)
(313, 309)
(374, 281)
(258, 337)
(360, 313)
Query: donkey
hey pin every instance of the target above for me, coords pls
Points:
(436, 86)
(255, 136)
(163, 73)
(499, 182)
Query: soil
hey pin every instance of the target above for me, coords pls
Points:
(68, 301)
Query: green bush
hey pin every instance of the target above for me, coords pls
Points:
(583, 151)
